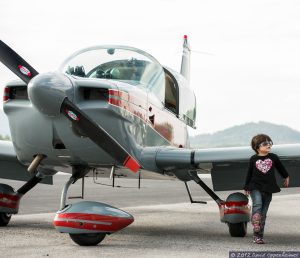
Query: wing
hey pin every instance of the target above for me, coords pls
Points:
(228, 166)
(11, 168)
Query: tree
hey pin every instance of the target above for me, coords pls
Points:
(5, 138)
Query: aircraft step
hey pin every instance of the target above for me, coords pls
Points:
(190, 196)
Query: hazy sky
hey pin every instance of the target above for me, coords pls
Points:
(253, 73)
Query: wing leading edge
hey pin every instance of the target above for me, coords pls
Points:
(228, 166)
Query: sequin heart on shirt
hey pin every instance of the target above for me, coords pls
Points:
(264, 165)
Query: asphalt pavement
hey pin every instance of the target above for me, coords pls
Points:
(166, 224)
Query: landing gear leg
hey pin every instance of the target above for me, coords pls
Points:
(194, 176)
(83, 239)
(63, 198)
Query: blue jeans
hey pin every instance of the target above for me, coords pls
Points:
(260, 204)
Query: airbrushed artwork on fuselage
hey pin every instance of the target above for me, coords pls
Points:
(124, 90)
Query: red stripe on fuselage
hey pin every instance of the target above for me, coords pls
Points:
(113, 92)
(130, 103)
(115, 102)
(167, 125)
(120, 103)
(121, 94)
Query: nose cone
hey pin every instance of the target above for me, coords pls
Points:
(48, 91)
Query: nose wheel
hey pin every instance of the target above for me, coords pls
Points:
(87, 239)
(87, 222)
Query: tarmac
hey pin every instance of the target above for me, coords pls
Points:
(166, 224)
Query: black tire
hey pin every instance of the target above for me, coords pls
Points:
(4, 219)
(238, 229)
(87, 239)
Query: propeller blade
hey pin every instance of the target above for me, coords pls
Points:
(16, 63)
(98, 135)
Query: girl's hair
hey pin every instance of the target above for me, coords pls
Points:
(258, 139)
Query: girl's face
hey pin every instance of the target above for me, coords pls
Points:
(265, 147)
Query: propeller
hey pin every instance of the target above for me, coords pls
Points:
(42, 86)
(16, 63)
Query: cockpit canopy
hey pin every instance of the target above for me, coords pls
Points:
(121, 63)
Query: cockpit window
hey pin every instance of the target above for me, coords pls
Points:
(120, 63)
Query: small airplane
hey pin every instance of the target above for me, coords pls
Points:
(113, 111)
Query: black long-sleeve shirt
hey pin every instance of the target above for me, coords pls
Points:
(261, 173)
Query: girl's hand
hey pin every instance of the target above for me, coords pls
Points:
(247, 193)
(286, 182)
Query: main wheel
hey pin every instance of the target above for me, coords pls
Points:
(238, 229)
(4, 219)
(88, 239)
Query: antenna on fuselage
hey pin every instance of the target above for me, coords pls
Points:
(186, 59)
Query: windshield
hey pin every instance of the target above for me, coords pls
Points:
(120, 63)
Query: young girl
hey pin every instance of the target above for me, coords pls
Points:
(261, 182)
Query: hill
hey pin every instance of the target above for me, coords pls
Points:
(241, 135)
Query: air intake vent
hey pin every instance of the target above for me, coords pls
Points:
(19, 92)
(94, 93)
